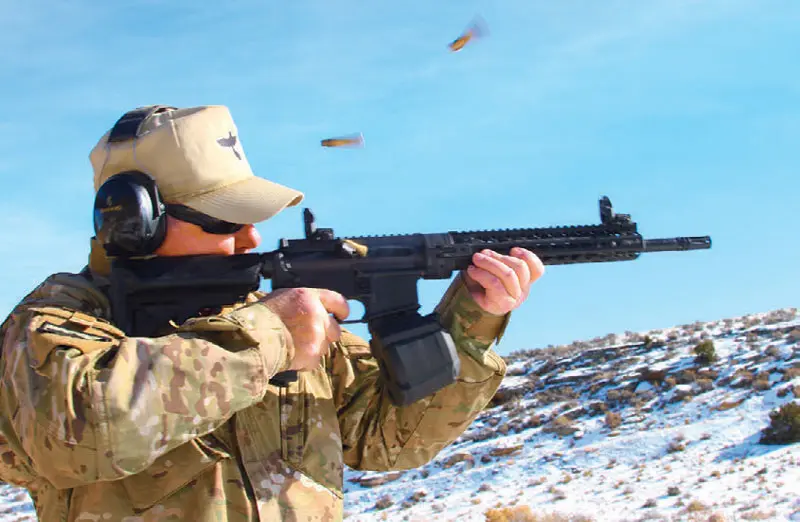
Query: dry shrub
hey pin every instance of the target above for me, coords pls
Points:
(384, 502)
(790, 374)
(479, 435)
(556, 394)
(604, 376)
(613, 419)
(794, 335)
(619, 397)
(780, 316)
(597, 408)
(504, 451)
(493, 421)
(705, 352)
(705, 384)
(742, 378)
(417, 495)
(522, 423)
(695, 506)
(653, 376)
(682, 394)
(573, 410)
(458, 458)
(677, 444)
(761, 382)
(751, 337)
(561, 426)
(650, 342)
(784, 427)
(524, 514)
(506, 395)
(687, 376)
(750, 320)
(515, 514)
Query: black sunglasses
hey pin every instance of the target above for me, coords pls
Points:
(207, 223)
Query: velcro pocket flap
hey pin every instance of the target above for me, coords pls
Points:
(52, 328)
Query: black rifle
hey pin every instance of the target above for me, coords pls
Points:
(416, 355)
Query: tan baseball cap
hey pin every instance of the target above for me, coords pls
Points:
(195, 156)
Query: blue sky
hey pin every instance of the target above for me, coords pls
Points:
(685, 113)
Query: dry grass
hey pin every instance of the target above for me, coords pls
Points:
(613, 419)
(524, 514)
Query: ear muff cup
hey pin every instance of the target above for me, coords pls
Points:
(129, 215)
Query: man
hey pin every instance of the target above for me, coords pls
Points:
(100, 426)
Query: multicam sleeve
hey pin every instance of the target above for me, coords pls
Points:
(474, 329)
(81, 402)
(377, 435)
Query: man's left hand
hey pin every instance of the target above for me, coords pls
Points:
(499, 283)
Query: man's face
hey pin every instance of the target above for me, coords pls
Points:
(186, 239)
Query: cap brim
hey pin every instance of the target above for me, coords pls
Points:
(251, 200)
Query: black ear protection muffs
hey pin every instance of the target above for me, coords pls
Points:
(129, 214)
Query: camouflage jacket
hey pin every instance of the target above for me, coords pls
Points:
(103, 427)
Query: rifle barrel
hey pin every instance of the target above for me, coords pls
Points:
(677, 243)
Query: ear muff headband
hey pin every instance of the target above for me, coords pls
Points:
(129, 215)
(129, 125)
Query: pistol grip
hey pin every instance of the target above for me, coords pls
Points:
(283, 379)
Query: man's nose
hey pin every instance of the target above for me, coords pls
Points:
(247, 238)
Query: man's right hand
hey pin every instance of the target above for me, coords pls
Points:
(306, 314)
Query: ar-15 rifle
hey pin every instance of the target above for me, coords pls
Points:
(416, 355)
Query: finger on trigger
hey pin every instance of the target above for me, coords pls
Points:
(335, 303)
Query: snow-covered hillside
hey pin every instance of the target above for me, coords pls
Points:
(625, 427)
